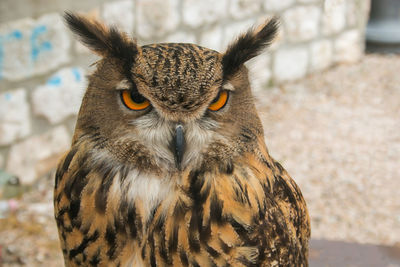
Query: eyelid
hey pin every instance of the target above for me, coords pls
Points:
(123, 85)
(228, 86)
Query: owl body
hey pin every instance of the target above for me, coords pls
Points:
(168, 165)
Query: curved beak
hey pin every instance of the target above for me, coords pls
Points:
(178, 145)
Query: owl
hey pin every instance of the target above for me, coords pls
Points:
(168, 165)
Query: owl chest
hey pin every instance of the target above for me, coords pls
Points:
(139, 195)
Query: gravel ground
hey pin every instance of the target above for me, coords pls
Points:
(338, 135)
(28, 236)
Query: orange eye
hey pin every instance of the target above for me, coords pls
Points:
(133, 100)
(219, 101)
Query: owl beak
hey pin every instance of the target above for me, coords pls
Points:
(179, 145)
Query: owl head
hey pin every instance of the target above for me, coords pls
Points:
(168, 107)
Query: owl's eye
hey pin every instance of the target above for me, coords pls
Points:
(133, 100)
(219, 101)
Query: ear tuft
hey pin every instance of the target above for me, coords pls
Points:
(248, 45)
(100, 39)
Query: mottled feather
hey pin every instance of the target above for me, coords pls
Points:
(120, 197)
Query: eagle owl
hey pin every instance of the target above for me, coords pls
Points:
(168, 165)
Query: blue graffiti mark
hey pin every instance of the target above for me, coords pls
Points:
(77, 74)
(16, 34)
(8, 96)
(37, 48)
(54, 81)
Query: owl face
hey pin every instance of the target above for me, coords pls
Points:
(168, 107)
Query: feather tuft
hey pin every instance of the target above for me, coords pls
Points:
(248, 45)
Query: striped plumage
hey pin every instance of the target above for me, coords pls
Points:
(123, 195)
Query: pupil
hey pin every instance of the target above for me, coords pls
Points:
(137, 98)
(216, 98)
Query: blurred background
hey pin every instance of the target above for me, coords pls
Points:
(328, 92)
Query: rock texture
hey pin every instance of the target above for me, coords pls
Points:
(37, 155)
(14, 116)
(61, 96)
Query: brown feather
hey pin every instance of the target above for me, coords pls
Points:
(119, 198)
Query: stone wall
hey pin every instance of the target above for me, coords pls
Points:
(42, 68)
